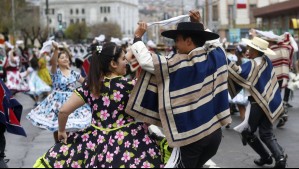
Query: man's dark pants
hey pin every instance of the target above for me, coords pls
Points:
(197, 154)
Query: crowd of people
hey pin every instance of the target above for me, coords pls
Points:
(100, 115)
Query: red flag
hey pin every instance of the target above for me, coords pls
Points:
(241, 4)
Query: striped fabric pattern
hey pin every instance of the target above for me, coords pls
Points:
(262, 83)
(282, 61)
(182, 95)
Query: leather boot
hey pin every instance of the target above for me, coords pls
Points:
(2, 150)
(261, 162)
(259, 148)
(2, 145)
(278, 154)
(3, 163)
(282, 162)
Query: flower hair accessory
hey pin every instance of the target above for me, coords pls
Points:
(239, 48)
(99, 49)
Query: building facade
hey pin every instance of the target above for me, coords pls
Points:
(233, 20)
(278, 16)
(221, 16)
(62, 13)
(229, 20)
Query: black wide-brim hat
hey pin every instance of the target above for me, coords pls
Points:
(190, 28)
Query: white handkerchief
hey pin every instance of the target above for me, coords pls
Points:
(47, 46)
(171, 21)
(101, 38)
(268, 34)
(244, 125)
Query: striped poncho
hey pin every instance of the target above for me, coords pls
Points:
(282, 61)
(261, 82)
(187, 96)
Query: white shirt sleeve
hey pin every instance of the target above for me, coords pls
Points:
(143, 56)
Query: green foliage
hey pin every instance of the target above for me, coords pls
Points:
(6, 20)
(77, 32)
(27, 21)
(109, 29)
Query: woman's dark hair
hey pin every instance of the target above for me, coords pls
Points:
(240, 49)
(34, 62)
(93, 47)
(100, 65)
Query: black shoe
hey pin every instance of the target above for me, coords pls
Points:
(3, 163)
(282, 163)
(244, 140)
(227, 126)
(261, 162)
(288, 105)
(285, 117)
(282, 122)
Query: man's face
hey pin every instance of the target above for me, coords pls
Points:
(181, 45)
(252, 53)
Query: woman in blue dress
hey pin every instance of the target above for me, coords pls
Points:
(64, 83)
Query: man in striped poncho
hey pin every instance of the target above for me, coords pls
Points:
(259, 80)
(180, 93)
(283, 64)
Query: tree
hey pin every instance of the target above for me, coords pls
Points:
(27, 21)
(108, 29)
(6, 20)
(33, 31)
(77, 32)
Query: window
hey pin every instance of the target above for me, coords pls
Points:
(105, 9)
(71, 11)
(77, 11)
(78, 21)
(105, 19)
(53, 11)
(50, 21)
(72, 21)
(83, 11)
(83, 20)
(215, 13)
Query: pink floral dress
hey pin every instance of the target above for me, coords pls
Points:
(114, 139)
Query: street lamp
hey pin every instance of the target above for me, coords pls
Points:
(47, 15)
(59, 18)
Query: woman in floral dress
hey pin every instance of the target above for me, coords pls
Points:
(114, 139)
(45, 115)
(15, 82)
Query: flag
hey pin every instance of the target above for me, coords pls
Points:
(10, 111)
(241, 4)
(86, 66)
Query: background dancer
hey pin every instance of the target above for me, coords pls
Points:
(64, 82)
